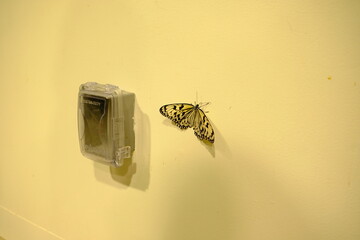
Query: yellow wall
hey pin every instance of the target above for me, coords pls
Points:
(283, 81)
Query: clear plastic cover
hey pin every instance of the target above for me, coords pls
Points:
(103, 112)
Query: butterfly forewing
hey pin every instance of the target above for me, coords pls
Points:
(186, 115)
(179, 113)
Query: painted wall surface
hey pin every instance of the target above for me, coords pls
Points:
(283, 81)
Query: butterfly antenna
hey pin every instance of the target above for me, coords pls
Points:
(205, 104)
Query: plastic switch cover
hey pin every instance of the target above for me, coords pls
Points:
(106, 123)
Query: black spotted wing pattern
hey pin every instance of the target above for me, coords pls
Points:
(203, 129)
(185, 115)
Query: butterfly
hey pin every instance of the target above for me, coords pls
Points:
(186, 115)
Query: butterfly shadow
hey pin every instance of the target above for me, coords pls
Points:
(208, 145)
(221, 148)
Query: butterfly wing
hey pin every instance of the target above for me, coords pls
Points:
(202, 127)
(179, 113)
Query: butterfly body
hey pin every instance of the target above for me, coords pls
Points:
(186, 115)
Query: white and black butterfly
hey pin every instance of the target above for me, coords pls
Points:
(186, 115)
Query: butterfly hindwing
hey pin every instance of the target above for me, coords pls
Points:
(203, 129)
(186, 115)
